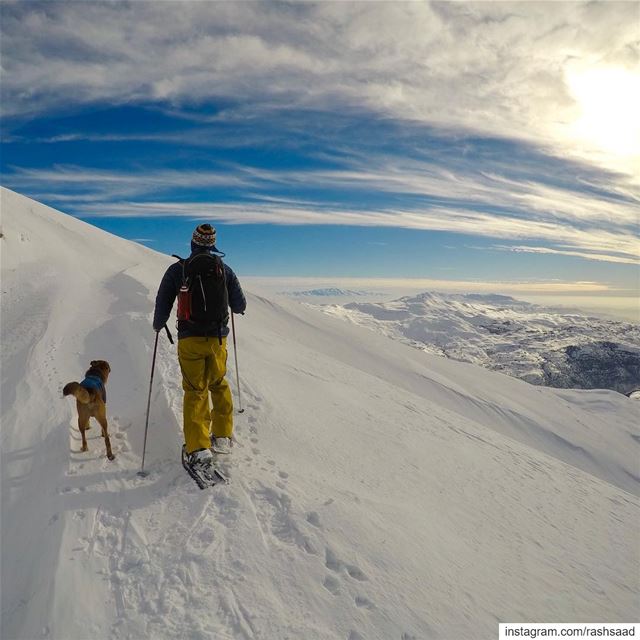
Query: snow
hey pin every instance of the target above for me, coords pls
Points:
(376, 491)
(538, 344)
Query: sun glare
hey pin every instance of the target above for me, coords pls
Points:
(608, 100)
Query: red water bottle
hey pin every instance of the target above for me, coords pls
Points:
(184, 303)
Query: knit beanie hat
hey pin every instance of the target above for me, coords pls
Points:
(204, 236)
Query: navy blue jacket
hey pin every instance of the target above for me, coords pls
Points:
(168, 291)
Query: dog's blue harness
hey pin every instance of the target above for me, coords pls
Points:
(93, 382)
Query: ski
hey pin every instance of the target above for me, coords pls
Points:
(203, 477)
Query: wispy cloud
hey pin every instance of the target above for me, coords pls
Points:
(594, 255)
(82, 185)
(197, 137)
(437, 181)
(594, 244)
(500, 69)
(482, 108)
(597, 226)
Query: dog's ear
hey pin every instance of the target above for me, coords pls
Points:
(93, 363)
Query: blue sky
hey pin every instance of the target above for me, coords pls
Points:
(477, 142)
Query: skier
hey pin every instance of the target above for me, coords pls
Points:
(205, 288)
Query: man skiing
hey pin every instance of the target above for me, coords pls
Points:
(206, 289)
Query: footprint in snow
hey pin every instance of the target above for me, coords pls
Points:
(275, 508)
(356, 573)
(363, 602)
(333, 563)
(332, 585)
(313, 518)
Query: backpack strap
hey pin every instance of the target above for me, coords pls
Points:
(181, 261)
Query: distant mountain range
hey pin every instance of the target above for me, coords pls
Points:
(331, 292)
(541, 345)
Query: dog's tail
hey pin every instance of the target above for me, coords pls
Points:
(75, 389)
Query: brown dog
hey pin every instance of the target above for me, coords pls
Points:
(91, 399)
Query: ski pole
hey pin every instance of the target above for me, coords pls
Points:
(235, 355)
(142, 472)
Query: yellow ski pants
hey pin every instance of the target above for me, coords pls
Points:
(203, 362)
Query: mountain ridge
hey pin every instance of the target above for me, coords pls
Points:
(539, 345)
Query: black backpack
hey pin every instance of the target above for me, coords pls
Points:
(203, 299)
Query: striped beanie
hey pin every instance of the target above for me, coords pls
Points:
(204, 236)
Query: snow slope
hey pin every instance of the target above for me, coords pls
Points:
(376, 491)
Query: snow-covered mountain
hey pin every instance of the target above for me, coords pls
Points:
(540, 345)
(376, 491)
(327, 292)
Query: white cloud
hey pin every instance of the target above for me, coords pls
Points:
(435, 180)
(93, 186)
(602, 257)
(502, 69)
(595, 244)
(573, 223)
(564, 221)
(513, 70)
